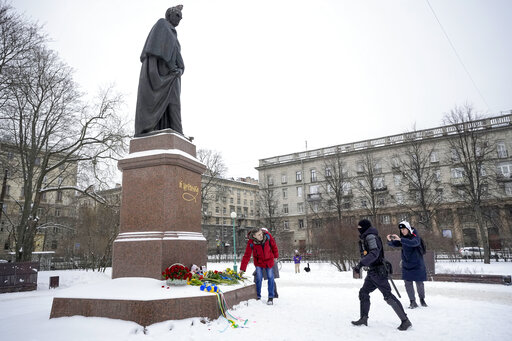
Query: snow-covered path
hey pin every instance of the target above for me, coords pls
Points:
(312, 306)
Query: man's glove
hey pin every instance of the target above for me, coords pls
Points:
(357, 268)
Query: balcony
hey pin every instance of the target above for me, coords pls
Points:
(314, 196)
(458, 181)
(381, 189)
(502, 154)
(504, 177)
(347, 193)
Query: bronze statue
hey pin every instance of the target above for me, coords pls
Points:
(158, 97)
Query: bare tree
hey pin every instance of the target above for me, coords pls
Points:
(53, 132)
(420, 191)
(471, 149)
(372, 190)
(18, 37)
(336, 186)
(98, 226)
(268, 207)
(211, 179)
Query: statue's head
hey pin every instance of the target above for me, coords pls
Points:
(173, 15)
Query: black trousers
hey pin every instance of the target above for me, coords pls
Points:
(374, 281)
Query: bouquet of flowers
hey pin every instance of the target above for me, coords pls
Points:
(223, 277)
(177, 274)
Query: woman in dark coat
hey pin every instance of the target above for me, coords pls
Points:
(413, 265)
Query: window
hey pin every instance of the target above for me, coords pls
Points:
(283, 179)
(217, 220)
(447, 233)
(437, 175)
(346, 205)
(395, 162)
(397, 178)
(300, 207)
(378, 183)
(399, 198)
(505, 169)
(346, 188)
(299, 192)
(54, 244)
(270, 180)
(434, 157)
(455, 155)
(59, 196)
(224, 210)
(377, 168)
(502, 150)
(313, 175)
(231, 200)
(508, 189)
(285, 193)
(360, 167)
(298, 176)
(457, 173)
(329, 188)
(285, 208)
(301, 223)
(313, 189)
(363, 203)
(328, 172)
(37, 161)
(286, 224)
(57, 212)
(217, 209)
(385, 219)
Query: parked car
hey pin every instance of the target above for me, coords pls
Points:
(475, 252)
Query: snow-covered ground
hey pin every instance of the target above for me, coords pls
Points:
(318, 305)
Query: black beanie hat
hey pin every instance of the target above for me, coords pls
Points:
(365, 225)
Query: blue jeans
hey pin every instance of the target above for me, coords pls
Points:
(259, 279)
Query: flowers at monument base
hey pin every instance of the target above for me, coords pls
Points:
(227, 276)
(177, 274)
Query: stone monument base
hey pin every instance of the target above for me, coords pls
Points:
(147, 312)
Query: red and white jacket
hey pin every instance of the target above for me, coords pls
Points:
(263, 253)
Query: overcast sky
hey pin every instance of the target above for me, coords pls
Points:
(262, 77)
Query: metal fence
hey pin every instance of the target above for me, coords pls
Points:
(20, 276)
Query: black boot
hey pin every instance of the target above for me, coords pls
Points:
(270, 301)
(406, 324)
(361, 321)
(423, 303)
(413, 304)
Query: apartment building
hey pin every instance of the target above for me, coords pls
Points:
(56, 212)
(226, 196)
(305, 194)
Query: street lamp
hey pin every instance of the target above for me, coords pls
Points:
(233, 217)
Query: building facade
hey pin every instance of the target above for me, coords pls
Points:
(226, 196)
(56, 212)
(305, 194)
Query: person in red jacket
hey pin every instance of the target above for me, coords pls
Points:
(263, 248)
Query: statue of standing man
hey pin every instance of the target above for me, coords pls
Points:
(158, 97)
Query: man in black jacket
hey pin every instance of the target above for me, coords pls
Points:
(372, 257)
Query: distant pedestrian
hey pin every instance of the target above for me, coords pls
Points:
(262, 246)
(413, 264)
(372, 257)
(296, 259)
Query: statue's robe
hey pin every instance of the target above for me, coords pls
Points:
(158, 97)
